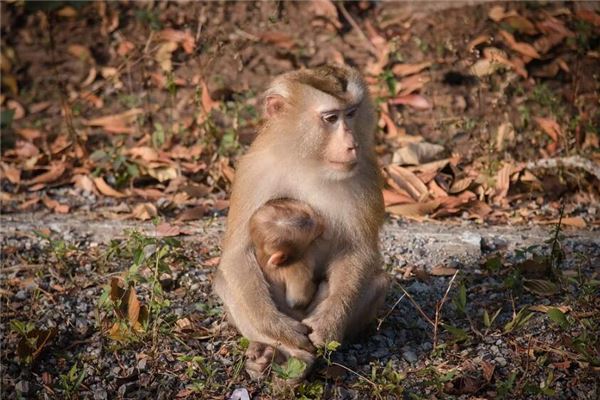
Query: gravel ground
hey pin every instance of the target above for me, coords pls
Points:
(55, 283)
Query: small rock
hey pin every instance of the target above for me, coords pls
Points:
(426, 346)
(22, 387)
(240, 394)
(409, 356)
(471, 238)
(380, 353)
(100, 394)
(494, 349)
(501, 361)
(21, 295)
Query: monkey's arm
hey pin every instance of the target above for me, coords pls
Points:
(242, 287)
(348, 276)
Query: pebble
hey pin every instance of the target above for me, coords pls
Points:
(409, 356)
(501, 361)
(21, 295)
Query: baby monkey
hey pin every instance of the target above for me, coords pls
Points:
(282, 231)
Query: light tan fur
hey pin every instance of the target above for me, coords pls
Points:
(294, 157)
(282, 232)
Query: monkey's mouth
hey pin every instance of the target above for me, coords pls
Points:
(342, 165)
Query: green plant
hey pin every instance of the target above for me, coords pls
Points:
(70, 382)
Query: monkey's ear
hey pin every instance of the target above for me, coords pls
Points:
(277, 258)
(274, 104)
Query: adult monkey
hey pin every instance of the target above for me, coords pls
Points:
(316, 146)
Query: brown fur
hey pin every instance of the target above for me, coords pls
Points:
(291, 158)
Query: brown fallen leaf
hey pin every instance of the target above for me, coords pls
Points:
(167, 230)
(207, 103)
(550, 126)
(133, 308)
(413, 100)
(55, 205)
(408, 181)
(411, 84)
(19, 110)
(84, 182)
(185, 38)
(11, 173)
(506, 133)
(125, 47)
(503, 181)
(414, 210)
(80, 51)
(29, 134)
(544, 309)
(496, 13)
(520, 47)
(540, 287)
(192, 214)
(521, 24)
(105, 189)
(460, 185)
(278, 38)
(443, 271)
(417, 153)
(117, 123)
(54, 172)
(163, 55)
(325, 9)
(488, 370)
(477, 41)
(409, 69)
(144, 211)
(576, 222)
(391, 197)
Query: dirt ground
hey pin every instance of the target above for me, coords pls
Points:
(121, 126)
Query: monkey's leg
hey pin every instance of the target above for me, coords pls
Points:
(369, 303)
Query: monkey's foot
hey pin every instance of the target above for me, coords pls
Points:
(259, 357)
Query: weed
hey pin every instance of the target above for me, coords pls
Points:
(70, 382)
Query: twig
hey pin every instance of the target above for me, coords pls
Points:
(389, 312)
(20, 267)
(568, 162)
(355, 373)
(438, 309)
(356, 27)
(419, 309)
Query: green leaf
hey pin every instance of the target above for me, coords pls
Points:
(459, 334)
(292, 369)
(333, 345)
(486, 319)
(559, 317)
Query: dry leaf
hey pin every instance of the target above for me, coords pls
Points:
(488, 370)
(541, 287)
(80, 51)
(521, 24)
(54, 172)
(411, 84)
(55, 205)
(409, 69)
(414, 210)
(443, 271)
(576, 222)
(117, 123)
(477, 41)
(390, 198)
(11, 173)
(417, 153)
(133, 308)
(29, 134)
(414, 100)
(520, 47)
(496, 13)
(184, 38)
(326, 9)
(192, 214)
(105, 189)
(167, 230)
(460, 185)
(207, 103)
(84, 182)
(163, 174)
(503, 181)
(279, 39)
(506, 132)
(408, 181)
(549, 126)
(19, 110)
(144, 211)
(163, 55)
(484, 67)
(545, 309)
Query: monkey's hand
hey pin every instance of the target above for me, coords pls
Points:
(325, 326)
(288, 331)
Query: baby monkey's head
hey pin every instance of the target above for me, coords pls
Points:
(282, 229)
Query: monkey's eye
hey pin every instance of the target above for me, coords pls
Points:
(351, 113)
(330, 118)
